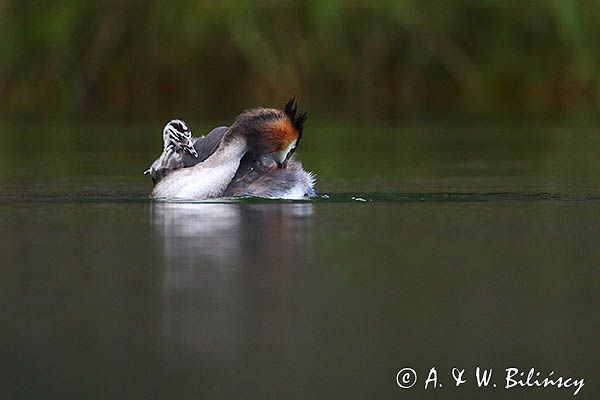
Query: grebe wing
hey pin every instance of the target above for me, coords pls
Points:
(205, 146)
(251, 168)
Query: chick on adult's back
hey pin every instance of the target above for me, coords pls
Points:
(251, 159)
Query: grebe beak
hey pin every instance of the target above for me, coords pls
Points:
(282, 165)
(189, 147)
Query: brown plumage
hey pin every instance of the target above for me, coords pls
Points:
(270, 130)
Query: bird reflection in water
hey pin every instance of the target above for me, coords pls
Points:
(228, 276)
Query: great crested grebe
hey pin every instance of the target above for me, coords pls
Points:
(250, 158)
(178, 146)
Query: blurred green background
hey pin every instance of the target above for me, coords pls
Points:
(384, 60)
(456, 143)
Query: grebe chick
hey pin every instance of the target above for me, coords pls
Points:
(258, 132)
(177, 146)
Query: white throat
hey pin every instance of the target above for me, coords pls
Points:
(281, 156)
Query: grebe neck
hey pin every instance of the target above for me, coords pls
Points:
(207, 179)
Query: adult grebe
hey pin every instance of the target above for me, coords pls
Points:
(251, 159)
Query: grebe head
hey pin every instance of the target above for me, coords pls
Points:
(176, 133)
(272, 131)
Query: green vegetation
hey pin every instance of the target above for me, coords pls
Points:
(387, 59)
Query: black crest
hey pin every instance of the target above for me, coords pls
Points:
(297, 119)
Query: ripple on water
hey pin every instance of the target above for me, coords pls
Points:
(123, 196)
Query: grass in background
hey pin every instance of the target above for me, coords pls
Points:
(345, 59)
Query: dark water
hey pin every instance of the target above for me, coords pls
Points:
(434, 246)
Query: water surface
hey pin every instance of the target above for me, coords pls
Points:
(429, 246)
